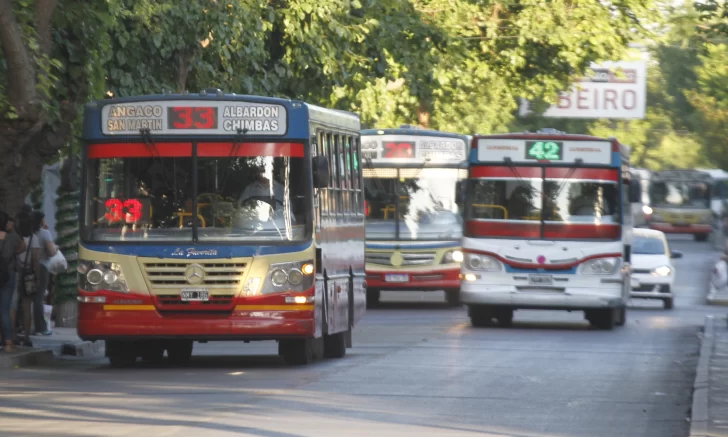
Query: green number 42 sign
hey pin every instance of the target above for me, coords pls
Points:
(544, 150)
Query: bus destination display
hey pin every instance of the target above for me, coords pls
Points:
(180, 117)
(544, 150)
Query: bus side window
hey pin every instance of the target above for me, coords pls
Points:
(346, 174)
(331, 152)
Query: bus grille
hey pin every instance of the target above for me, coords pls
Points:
(223, 275)
(408, 259)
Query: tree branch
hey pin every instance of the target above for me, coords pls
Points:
(42, 19)
(21, 71)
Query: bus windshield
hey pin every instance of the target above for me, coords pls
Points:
(412, 203)
(551, 204)
(238, 199)
(680, 194)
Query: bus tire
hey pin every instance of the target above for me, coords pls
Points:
(179, 352)
(152, 352)
(602, 318)
(453, 297)
(504, 317)
(621, 316)
(296, 352)
(121, 353)
(480, 316)
(373, 298)
(335, 345)
(667, 303)
(700, 237)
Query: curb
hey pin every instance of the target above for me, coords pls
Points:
(31, 357)
(700, 417)
(82, 348)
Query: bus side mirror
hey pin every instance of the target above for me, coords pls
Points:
(459, 192)
(635, 192)
(321, 172)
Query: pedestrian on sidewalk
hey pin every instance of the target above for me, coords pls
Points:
(46, 250)
(26, 263)
(10, 246)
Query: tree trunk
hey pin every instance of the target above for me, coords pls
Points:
(24, 148)
(66, 314)
(21, 89)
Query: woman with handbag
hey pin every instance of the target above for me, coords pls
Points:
(43, 241)
(10, 245)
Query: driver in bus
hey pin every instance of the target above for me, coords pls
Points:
(261, 187)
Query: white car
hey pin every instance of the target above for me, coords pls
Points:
(653, 274)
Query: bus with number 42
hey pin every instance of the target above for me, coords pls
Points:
(218, 217)
(414, 225)
(547, 225)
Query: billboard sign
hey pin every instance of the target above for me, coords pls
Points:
(609, 90)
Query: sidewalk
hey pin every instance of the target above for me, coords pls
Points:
(710, 391)
(64, 341)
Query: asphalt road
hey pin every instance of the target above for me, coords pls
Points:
(417, 369)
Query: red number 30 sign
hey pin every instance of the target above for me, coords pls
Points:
(399, 150)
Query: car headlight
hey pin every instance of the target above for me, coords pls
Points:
(291, 276)
(452, 256)
(647, 210)
(662, 271)
(600, 266)
(97, 275)
(482, 263)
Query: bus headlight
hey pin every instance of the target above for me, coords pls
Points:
(662, 271)
(600, 266)
(482, 262)
(646, 210)
(452, 256)
(292, 276)
(97, 275)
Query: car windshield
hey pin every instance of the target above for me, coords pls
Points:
(680, 194)
(238, 199)
(515, 204)
(412, 204)
(647, 246)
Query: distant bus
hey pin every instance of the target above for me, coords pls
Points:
(641, 207)
(213, 216)
(414, 223)
(547, 225)
(681, 203)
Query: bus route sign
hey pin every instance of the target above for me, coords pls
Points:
(413, 148)
(184, 117)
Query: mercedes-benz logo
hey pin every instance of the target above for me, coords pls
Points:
(194, 274)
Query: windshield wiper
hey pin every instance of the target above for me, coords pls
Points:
(512, 167)
(566, 178)
(146, 135)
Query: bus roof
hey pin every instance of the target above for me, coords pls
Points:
(413, 131)
(208, 114)
(682, 175)
(518, 147)
(715, 173)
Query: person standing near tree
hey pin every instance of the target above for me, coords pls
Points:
(46, 250)
(10, 246)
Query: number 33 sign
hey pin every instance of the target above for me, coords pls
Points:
(399, 150)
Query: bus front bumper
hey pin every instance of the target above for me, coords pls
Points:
(684, 229)
(421, 280)
(244, 322)
(570, 298)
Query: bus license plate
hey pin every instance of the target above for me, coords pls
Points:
(195, 295)
(396, 278)
(540, 279)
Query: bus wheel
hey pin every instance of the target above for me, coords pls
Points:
(179, 351)
(296, 352)
(480, 316)
(622, 316)
(602, 319)
(335, 345)
(121, 353)
(373, 298)
(700, 237)
(453, 297)
(505, 317)
(152, 352)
